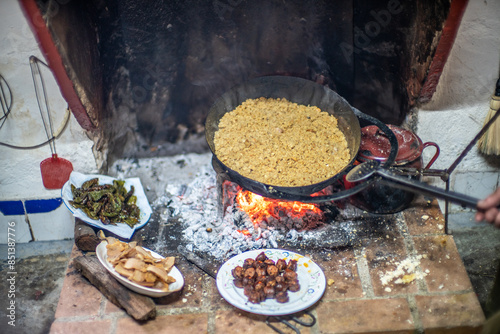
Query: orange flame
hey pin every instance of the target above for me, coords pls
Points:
(259, 207)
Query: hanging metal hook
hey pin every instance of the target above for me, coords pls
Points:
(43, 105)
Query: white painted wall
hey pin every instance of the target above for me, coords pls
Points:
(20, 176)
(458, 108)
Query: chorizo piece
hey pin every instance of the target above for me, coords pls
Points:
(281, 264)
(248, 289)
(261, 257)
(281, 287)
(238, 282)
(250, 273)
(254, 297)
(282, 297)
(261, 271)
(260, 264)
(259, 286)
(237, 272)
(289, 275)
(269, 262)
(272, 270)
(294, 286)
(292, 265)
(248, 263)
(248, 281)
(271, 282)
(269, 291)
(262, 278)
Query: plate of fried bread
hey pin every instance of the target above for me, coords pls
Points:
(140, 269)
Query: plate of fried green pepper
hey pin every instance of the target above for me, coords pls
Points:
(117, 205)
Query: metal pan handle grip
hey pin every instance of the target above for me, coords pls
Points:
(406, 183)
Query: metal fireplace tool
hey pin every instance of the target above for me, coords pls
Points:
(286, 320)
(445, 174)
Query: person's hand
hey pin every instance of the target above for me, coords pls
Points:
(488, 209)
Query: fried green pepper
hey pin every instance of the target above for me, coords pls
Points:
(88, 184)
(111, 204)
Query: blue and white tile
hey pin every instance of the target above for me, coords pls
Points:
(50, 219)
(13, 220)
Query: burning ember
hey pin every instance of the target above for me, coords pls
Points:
(265, 212)
(258, 207)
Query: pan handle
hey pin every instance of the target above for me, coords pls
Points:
(419, 187)
(386, 130)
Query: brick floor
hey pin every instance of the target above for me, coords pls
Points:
(366, 316)
(442, 313)
(439, 300)
(166, 324)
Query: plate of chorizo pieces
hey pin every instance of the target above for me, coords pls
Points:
(271, 282)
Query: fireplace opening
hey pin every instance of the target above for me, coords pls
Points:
(189, 215)
(146, 73)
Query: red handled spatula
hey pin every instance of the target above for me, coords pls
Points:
(55, 170)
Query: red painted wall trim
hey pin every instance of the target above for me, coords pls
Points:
(48, 48)
(443, 49)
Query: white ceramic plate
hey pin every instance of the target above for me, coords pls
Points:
(102, 255)
(311, 279)
(121, 230)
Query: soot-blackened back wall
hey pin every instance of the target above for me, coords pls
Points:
(150, 70)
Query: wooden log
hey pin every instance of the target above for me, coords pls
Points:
(86, 238)
(138, 306)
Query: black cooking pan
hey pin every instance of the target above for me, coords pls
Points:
(304, 92)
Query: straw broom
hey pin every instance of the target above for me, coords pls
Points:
(489, 143)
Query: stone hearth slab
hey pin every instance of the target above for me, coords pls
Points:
(438, 298)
